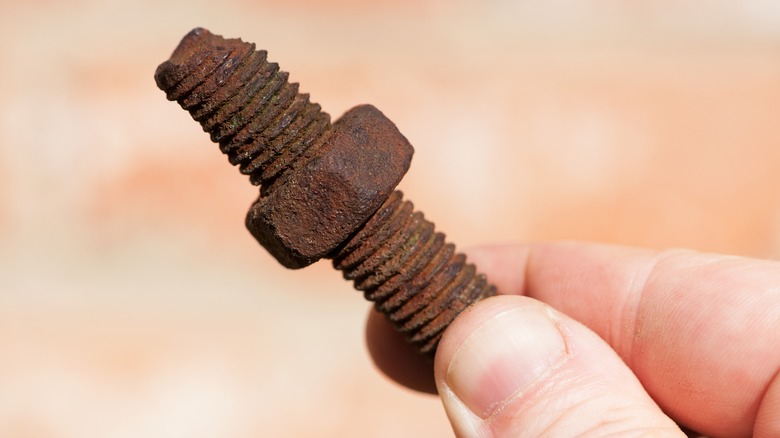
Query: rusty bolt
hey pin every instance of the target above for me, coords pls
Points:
(326, 191)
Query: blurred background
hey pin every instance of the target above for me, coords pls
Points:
(134, 303)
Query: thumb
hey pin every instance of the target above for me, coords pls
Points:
(512, 366)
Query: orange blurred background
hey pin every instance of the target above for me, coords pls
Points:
(134, 303)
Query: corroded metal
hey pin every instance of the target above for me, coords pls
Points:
(410, 273)
(245, 102)
(327, 191)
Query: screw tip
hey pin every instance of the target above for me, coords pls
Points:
(197, 55)
(170, 72)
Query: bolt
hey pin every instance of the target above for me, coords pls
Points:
(326, 191)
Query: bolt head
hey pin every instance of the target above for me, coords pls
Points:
(334, 193)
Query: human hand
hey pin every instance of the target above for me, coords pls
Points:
(638, 338)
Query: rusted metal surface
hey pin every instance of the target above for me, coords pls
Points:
(326, 190)
(411, 274)
(258, 118)
(326, 199)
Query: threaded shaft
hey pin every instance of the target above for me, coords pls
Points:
(267, 128)
(410, 273)
(245, 103)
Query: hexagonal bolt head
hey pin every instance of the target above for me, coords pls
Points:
(327, 199)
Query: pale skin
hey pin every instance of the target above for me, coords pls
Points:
(594, 340)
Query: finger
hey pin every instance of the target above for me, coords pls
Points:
(397, 358)
(513, 366)
(393, 355)
(699, 330)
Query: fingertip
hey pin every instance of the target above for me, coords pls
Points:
(489, 358)
(395, 357)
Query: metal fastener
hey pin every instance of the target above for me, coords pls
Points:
(326, 190)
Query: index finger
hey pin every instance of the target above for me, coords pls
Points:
(700, 331)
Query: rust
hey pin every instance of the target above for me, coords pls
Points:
(326, 191)
(410, 273)
(244, 102)
(328, 197)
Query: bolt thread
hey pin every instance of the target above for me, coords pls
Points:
(260, 120)
(410, 273)
(267, 128)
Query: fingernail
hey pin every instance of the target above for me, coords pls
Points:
(504, 356)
